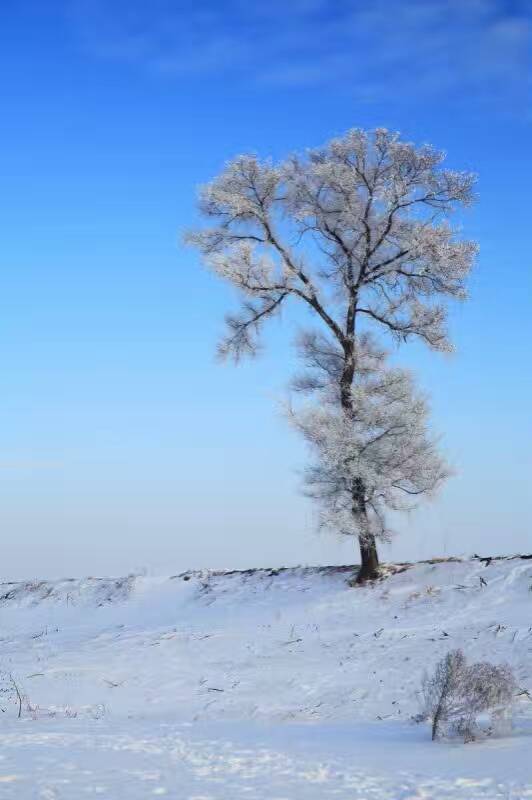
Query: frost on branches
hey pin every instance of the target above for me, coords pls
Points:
(359, 232)
(379, 456)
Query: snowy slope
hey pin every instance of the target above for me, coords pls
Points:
(287, 682)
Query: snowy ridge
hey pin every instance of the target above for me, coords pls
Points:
(278, 644)
(101, 657)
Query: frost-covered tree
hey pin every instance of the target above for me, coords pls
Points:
(380, 456)
(358, 232)
(456, 693)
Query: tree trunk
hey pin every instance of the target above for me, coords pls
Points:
(435, 721)
(369, 559)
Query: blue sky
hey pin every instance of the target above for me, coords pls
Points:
(123, 444)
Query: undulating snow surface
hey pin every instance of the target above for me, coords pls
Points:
(282, 685)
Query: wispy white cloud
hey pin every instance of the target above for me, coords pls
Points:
(374, 48)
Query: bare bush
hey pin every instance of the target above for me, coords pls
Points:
(456, 694)
(12, 694)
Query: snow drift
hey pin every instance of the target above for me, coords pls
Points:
(276, 684)
(292, 644)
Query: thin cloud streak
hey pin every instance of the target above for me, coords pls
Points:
(374, 49)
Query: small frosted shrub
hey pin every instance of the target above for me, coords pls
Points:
(456, 694)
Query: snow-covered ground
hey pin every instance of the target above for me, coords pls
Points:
(269, 684)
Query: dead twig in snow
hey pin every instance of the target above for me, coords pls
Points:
(112, 684)
(17, 692)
